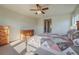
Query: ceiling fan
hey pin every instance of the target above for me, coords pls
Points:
(39, 9)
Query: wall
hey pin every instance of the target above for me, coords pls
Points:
(16, 22)
(75, 16)
(60, 24)
(76, 11)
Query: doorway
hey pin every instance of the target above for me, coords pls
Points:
(47, 25)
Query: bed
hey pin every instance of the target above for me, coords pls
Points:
(52, 45)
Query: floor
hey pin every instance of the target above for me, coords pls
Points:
(19, 47)
(7, 50)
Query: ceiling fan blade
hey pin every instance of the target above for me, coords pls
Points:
(45, 8)
(43, 12)
(38, 6)
(33, 9)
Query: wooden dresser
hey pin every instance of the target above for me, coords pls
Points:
(4, 35)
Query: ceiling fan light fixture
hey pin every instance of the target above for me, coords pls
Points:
(38, 12)
(39, 9)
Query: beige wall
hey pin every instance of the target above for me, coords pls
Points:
(60, 24)
(16, 22)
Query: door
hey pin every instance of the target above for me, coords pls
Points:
(47, 26)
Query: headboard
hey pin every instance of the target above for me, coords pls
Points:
(26, 33)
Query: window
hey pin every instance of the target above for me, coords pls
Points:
(74, 21)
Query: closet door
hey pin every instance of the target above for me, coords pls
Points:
(4, 39)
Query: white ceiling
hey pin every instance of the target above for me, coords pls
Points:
(54, 9)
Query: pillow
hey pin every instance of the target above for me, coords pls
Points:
(76, 42)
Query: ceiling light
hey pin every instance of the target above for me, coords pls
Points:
(38, 12)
